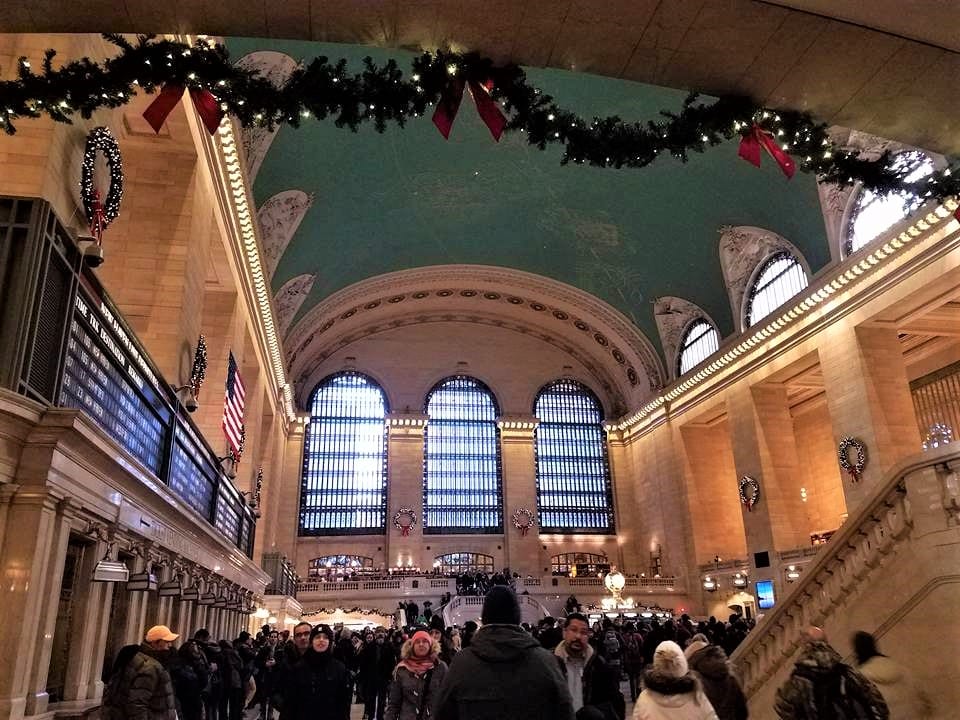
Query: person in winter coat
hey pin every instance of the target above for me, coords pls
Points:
(903, 697)
(822, 686)
(319, 685)
(141, 688)
(670, 691)
(594, 686)
(504, 674)
(723, 691)
(287, 659)
(416, 679)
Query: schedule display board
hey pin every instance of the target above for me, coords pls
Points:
(107, 376)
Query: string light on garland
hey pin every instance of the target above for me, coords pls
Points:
(99, 213)
(404, 519)
(381, 94)
(238, 453)
(749, 492)
(523, 520)
(198, 372)
(258, 487)
(855, 468)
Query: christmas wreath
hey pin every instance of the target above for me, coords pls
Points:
(523, 520)
(855, 468)
(749, 492)
(505, 101)
(101, 212)
(404, 519)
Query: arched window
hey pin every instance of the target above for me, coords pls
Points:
(780, 278)
(583, 564)
(700, 341)
(462, 487)
(574, 492)
(461, 562)
(330, 566)
(344, 482)
(873, 214)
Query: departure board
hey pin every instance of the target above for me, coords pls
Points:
(104, 378)
(227, 517)
(192, 476)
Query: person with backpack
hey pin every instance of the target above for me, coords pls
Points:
(632, 657)
(823, 687)
(904, 697)
(611, 648)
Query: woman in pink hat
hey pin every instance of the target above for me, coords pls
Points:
(416, 679)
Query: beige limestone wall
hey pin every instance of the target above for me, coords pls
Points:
(825, 507)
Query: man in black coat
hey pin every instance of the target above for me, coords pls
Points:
(318, 687)
(593, 684)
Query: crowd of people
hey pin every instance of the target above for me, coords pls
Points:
(501, 669)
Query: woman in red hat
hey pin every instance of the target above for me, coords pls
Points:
(416, 679)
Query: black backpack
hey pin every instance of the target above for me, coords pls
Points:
(839, 695)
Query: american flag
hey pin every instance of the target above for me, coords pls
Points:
(233, 408)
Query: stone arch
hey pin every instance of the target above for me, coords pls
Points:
(289, 298)
(743, 249)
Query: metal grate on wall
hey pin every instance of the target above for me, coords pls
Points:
(936, 403)
(344, 482)
(574, 490)
(462, 484)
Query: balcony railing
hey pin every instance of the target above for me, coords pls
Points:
(73, 349)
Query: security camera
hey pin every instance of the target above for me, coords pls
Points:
(91, 250)
(191, 403)
(256, 513)
(231, 472)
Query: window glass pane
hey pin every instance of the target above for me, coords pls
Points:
(343, 487)
(699, 342)
(574, 494)
(462, 488)
(781, 278)
(874, 214)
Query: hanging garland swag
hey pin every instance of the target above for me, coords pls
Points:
(855, 468)
(99, 213)
(383, 94)
(404, 520)
(523, 520)
(749, 492)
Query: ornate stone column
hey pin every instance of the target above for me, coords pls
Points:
(520, 552)
(405, 486)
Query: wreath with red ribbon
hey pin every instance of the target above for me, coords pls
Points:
(100, 212)
(749, 492)
(523, 520)
(404, 514)
(855, 468)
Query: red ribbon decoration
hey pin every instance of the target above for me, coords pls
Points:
(404, 530)
(523, 529)
(207, 107)
(99, 220)
(487, 108)
(956, 213)
(750, 146)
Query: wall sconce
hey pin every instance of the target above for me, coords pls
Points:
(709, 584)
(110, 570)
(228, 463)
(739, 581)
(792, 573)
(186, 397)
(803, 494)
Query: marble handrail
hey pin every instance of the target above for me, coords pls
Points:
(870, 533)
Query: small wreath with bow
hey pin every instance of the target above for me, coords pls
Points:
(404, 514)
(854, 469)
(523, 520)
(749, 492)
(100, 213)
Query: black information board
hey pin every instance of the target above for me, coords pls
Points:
(105, 379)
(227, 517)
(191, 475)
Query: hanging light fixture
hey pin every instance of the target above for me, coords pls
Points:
(110, 570)
(792, 573)
(709, 584)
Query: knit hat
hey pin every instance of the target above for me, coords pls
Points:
(697, 643)
(422, 635)
(669, 660)
(500, 606)
(322, 630)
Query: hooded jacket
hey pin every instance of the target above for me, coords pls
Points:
(821, 682)
(666, 697)
(318, 688)
(504, 675)
(904, 699)
(720, 687)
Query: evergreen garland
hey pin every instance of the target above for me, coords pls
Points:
(383, 94)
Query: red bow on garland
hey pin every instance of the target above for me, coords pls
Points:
(750, 146)
(207, 107)
(487, 107)
(99, 220)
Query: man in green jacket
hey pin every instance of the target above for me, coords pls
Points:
(140, 688)
(504, 674)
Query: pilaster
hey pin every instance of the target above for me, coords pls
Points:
(520, 552)
(405, 438)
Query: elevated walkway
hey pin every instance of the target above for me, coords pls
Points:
(467, 607)
(893, 570)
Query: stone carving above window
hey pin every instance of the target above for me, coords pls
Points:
(279, 217)
(742, 249)
(290, 297)
(276, 67)
(673, 316)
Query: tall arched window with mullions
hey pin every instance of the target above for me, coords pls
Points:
(462, 484)
(700, 341)
(779, 278)
(574, 490)
(343, 489)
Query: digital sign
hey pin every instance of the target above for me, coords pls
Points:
(766, 598)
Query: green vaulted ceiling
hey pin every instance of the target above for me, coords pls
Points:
(407, 198)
